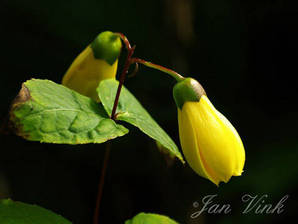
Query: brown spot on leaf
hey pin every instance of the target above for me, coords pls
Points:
(23, 95)
(21, 98)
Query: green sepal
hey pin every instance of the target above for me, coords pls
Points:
(107, 46)
(188, 89)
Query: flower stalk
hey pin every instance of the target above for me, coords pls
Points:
(171, 72)
(101, 182)
(131, 60)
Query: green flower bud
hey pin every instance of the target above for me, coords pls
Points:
(107, 46)
(187, 90)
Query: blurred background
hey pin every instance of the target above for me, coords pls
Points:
(244, 53)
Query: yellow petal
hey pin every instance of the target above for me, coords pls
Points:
(188, 140)
(220, 148)
(239, 149)
(86, 72)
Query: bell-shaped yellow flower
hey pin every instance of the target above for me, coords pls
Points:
(97, 62)
(210, 143)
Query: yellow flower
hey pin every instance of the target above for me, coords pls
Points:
(210, 143)
(97, 62)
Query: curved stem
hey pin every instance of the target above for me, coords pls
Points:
(101, 183)
(121, 81)
(125, 40)
(113, 116)
(124, 72)
(128, 62)
(171, 72)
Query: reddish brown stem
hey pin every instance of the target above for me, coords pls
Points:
(121, 80)
(113, 116)
(171, 72)
(125, 40)
(101, 182)
(128, 62)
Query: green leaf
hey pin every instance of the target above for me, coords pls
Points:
(48, 112)
(148, 218)
(20, 213)
(130, 110)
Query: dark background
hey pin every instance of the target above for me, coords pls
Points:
(244, 53)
